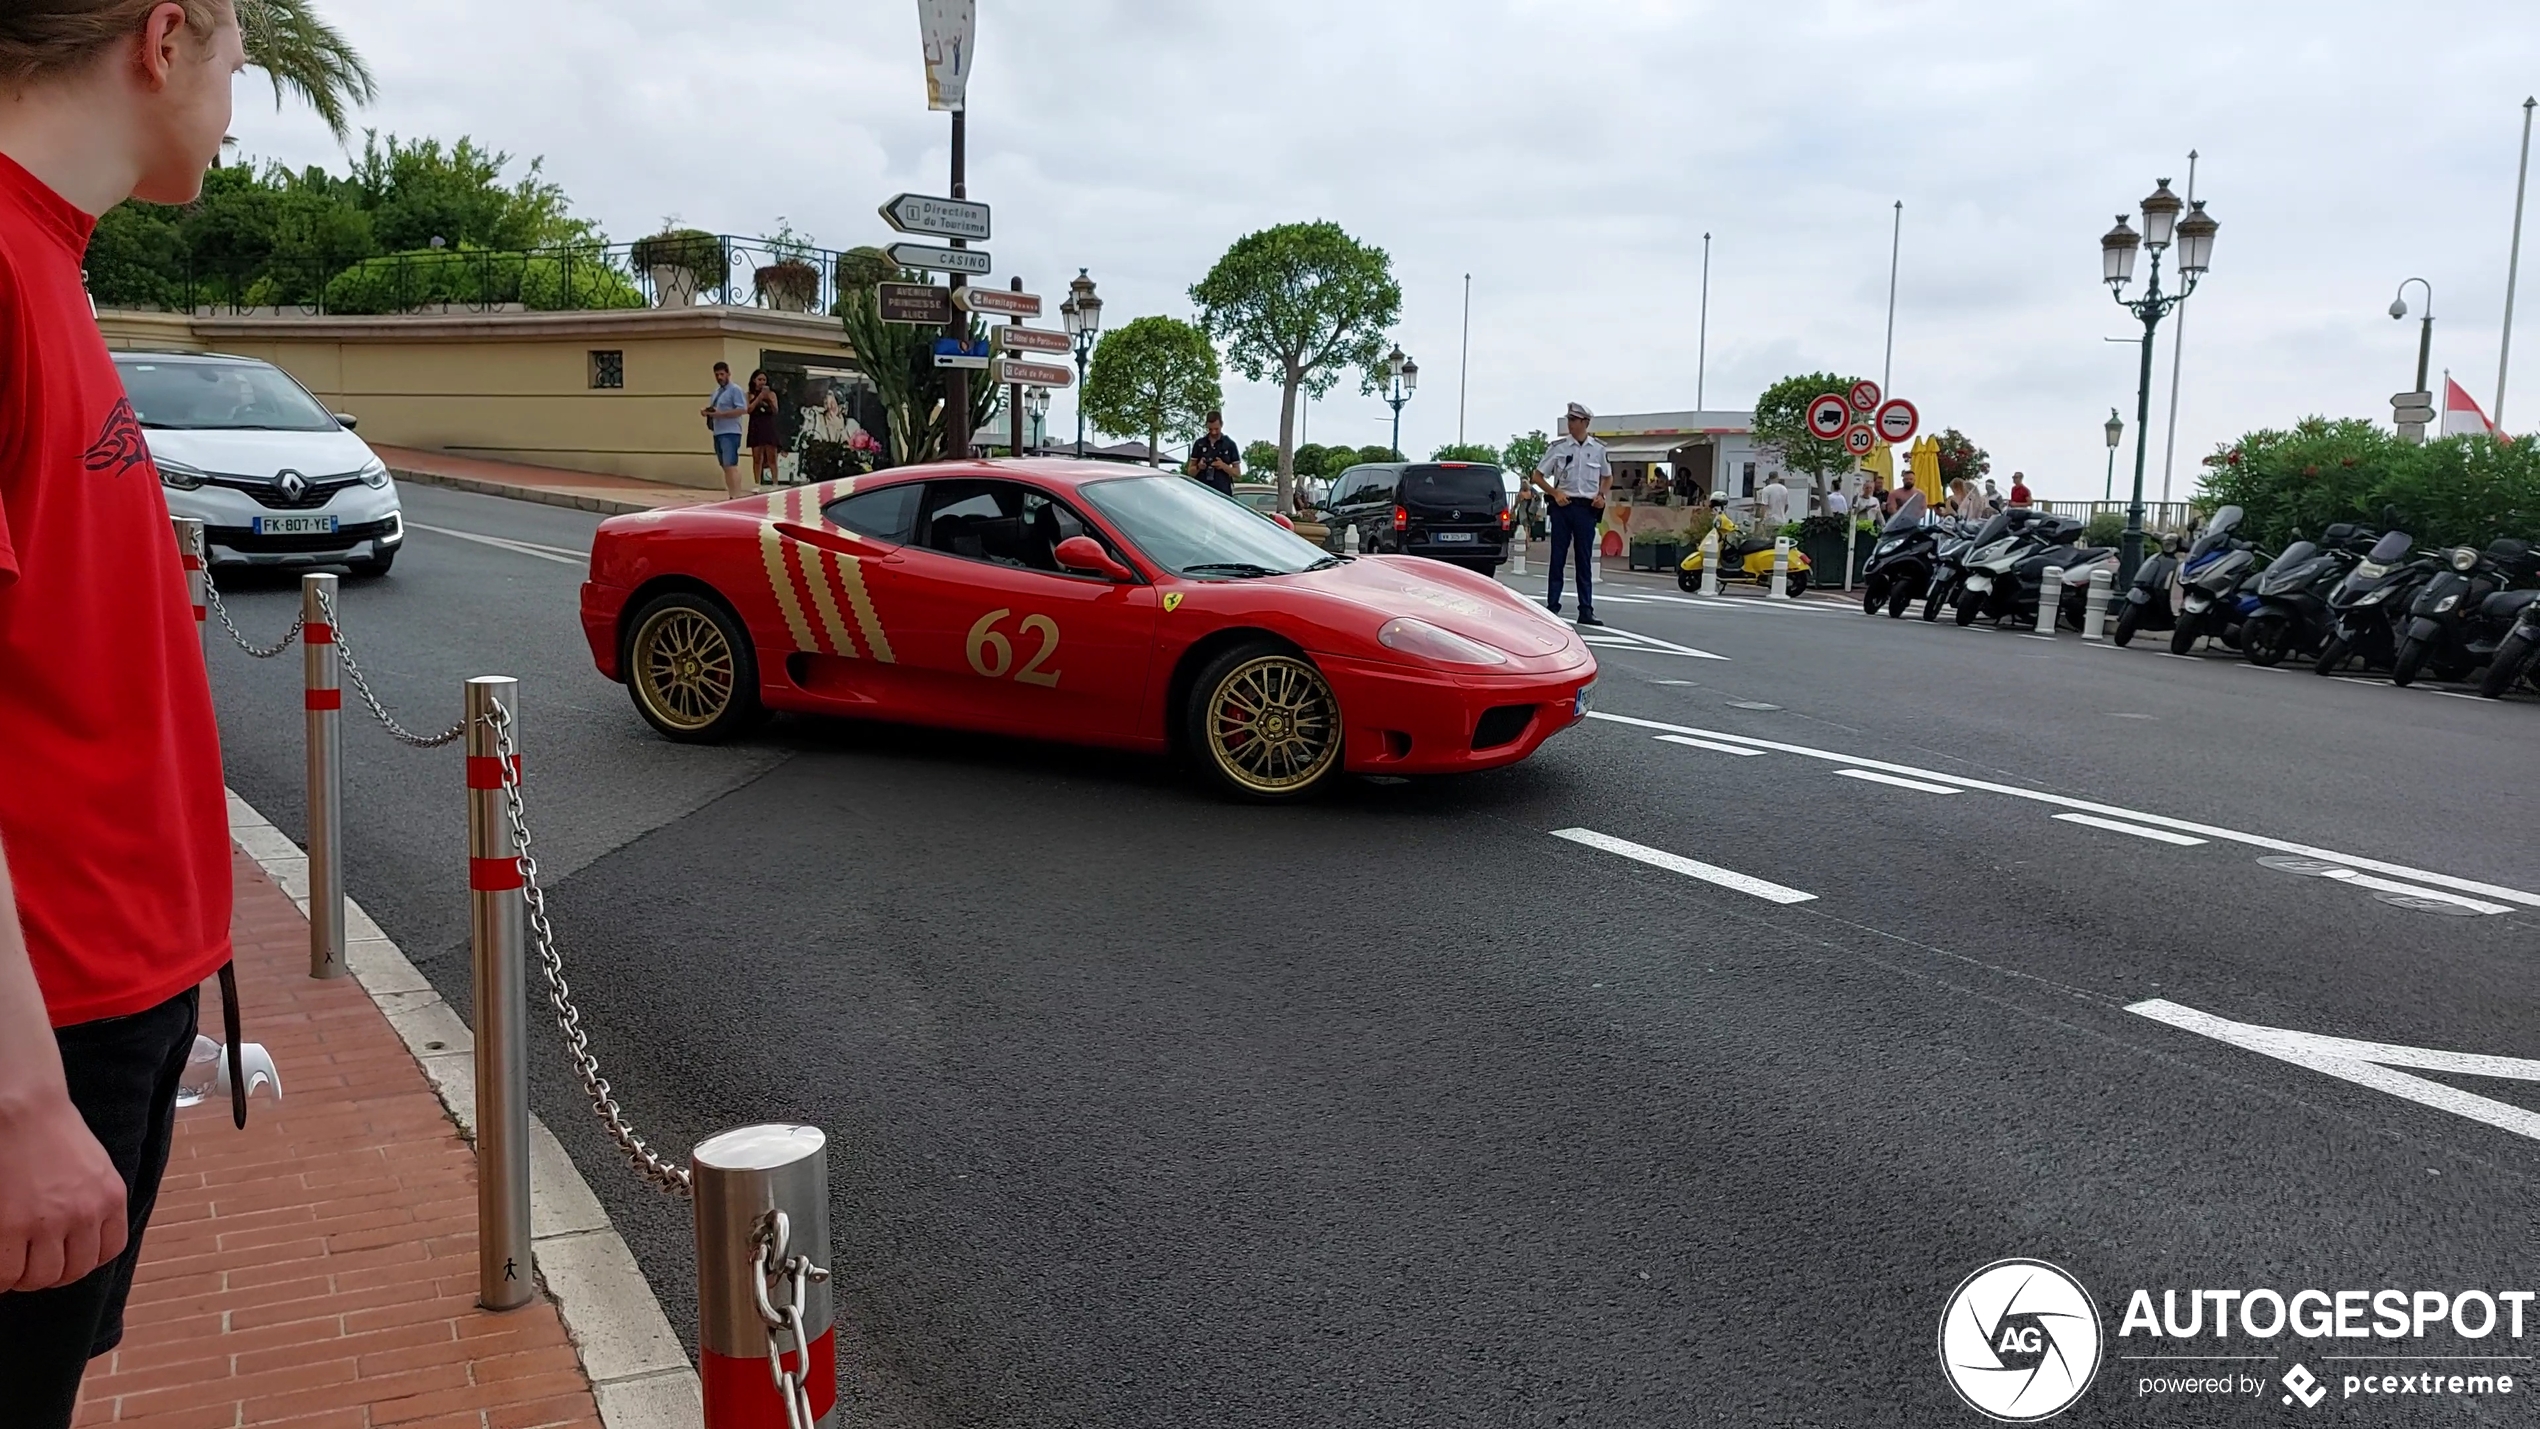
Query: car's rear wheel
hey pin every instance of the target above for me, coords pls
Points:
(1262, 721)
(690, 669)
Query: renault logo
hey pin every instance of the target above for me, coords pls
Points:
(293, 484)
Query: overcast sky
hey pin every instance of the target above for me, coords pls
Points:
(1570, 154)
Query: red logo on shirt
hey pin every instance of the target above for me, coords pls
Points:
(120, 447)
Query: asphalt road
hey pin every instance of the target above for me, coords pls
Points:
(1439, 1102)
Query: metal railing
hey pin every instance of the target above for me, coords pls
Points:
(2164, 517)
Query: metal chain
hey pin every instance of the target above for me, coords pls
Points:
(785, 1333)
(577, 1043)
(361, 686)
(211, 597)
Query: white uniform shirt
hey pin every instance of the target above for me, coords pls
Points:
(1579, 468)
(1774, 502)
(1837, 504)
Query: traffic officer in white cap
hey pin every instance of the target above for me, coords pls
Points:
(1577, 479)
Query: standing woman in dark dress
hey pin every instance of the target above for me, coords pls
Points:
(761, 438)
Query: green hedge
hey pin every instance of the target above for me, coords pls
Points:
(429, 278)
(2457, 491)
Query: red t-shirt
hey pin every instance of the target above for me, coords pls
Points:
(2019, 493)
(112, 814)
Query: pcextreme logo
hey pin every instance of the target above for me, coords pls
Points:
(2019, 1341)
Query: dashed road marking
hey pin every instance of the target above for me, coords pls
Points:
(1769, 891)
(557, 554)
(2138, 830)
(1692, 743)
(1875, 777)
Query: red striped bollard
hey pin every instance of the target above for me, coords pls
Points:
(191, 552)
(323, 698)
(499, 934)
(766, 1331)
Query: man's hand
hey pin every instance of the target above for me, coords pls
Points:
(61, 1199)
(1560, 498)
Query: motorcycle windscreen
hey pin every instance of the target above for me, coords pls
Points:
(1907, 517)
(2392, 548)
(2291, 571)
(2217, 531)
(1994, 529)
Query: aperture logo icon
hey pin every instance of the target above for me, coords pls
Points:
(2020, 1340)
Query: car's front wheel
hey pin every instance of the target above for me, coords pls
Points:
(1262, 721)
(373, 568)
(690, 669)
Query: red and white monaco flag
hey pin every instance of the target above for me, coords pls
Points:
(2461, 416)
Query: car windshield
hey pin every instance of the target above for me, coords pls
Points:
(220, 397)
(2393, 546)
(1452, 484)
(1192, 531)
(1908, 516)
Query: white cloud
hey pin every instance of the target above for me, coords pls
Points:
(1570, 153)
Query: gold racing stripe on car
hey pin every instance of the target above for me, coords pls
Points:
(851, 578)
(780, 582)
(816, 568)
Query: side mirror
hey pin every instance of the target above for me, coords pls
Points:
(1085, 556)
(1284, 523)
(347, 420)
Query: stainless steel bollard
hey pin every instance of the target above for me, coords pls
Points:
(1781, 568)
(2094, 617)
(1349, 539)
(1711, 561)
(744, 1181)
(194, 554)
(2050, 600)
(323, 698)
(499, 938)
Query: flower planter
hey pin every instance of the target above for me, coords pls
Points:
(790, 286)
(673, 287)
(1657, 556)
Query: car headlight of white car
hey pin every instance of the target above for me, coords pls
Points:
(173, 473)
(1419, 637)
(374, 473)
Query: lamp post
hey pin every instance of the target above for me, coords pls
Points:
(1083, 312)
(2194, 235)
(1036, 406)
(2415, 431)
(1402, 378)
(2116, 436)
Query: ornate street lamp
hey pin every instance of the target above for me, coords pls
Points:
(2194, 236)
(1083, 312)
(1036, 406)
(1402, 379)
(2116, 436)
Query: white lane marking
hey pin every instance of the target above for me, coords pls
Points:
(2162, 835)
(1692, 743)
(1671, 682)
(557, 554)
(2047, 638)
(2384, 885)
(2086, 806)
(2457, 695)
(2166, 655)
(1876, 777)
(2360, 680)
(2369, 1064)
(1634, 640)
(2268, 669)
(1690, 868)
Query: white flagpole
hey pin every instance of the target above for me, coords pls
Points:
(2513, 271)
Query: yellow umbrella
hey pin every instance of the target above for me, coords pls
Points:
(1926, 463)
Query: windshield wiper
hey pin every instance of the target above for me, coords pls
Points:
(1230, 568)
(1325, 564)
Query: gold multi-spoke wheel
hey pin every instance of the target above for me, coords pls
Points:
(689, 669)
(1267, 723)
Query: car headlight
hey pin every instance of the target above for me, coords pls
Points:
(177, 474)
(2446, 603)
(374, 473)
(1419, 637)
(2463, 558)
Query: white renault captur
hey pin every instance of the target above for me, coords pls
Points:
(275, 478)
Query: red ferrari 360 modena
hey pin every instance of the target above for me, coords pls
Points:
(1076, 601)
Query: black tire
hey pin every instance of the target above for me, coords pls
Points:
(1797, 584)
(2267, 638)
(690, 669)
(1874, 595)
(1968, 604)
(2513, 658)
(1286, 747)
(373, 569)
(2332, 657)
(2405, 665)
(2183, 639)
(1688, 582)
(1898, 599)
(1933, 601)
(2129, 620)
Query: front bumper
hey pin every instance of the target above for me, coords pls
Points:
(368, 523)
(1401, 720)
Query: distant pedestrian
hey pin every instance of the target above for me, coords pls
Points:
(2019, 488)
(725, 412)
(762, 440)
(114, 834)
(1577, 479)
(1215, 459)
(1772, 505)
(1992, 495)
(1837, 504)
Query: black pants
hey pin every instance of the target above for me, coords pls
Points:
(123, 1073)
(1573, 534)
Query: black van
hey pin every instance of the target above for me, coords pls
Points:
(1455, 511)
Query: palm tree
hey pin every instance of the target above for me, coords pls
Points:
(306, 56)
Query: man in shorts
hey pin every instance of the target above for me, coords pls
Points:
(724, 412)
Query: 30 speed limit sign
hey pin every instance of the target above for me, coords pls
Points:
(1859, 440)
(1898, 421)
(1828, 416)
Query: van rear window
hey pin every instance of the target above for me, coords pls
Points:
(1465, 486)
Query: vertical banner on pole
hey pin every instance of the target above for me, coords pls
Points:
(762, 1201)
(323, 698)
(947, 27)
(192, 553)
(498, 939)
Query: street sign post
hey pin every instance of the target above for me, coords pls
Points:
(921, 303)
(1036, 374)
(1897, 421)
(937, 217)
(1865, 396)
(1827, 417)
(973, 262)
(1859, 440)
(998, 302)
(1029, 339)
(960, 352)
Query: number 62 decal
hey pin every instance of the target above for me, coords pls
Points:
(991, 654)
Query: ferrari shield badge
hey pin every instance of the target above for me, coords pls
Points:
(1172, 601)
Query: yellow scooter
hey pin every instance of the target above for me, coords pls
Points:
(1741, 553)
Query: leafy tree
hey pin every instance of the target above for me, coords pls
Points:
(304, 55)
(1961, 459)
(1154, 377)
(1311, 460)
(1376, 452)
(1260, 457)
(418, 191)
(1465, 451)
(1300, 304)
(900, 360)
(1523, 454)
(1781, 426)
(2456, 491)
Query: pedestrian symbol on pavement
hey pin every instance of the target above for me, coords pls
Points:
(1827, 417)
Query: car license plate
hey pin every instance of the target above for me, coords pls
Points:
(1455, 535)
(1579, 707)
(295, 525)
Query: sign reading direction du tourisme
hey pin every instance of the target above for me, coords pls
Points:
(937, 217)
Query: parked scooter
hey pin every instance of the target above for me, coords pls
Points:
(2009, 563)
(2370, 606)
(1956, 540)
(2146, 604)
(2517, 657)
(2292, 617)
(2465, 612)
(1901, 563)
(2214, 581)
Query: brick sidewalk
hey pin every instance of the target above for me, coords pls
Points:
(553, 486)
(319, 1268)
